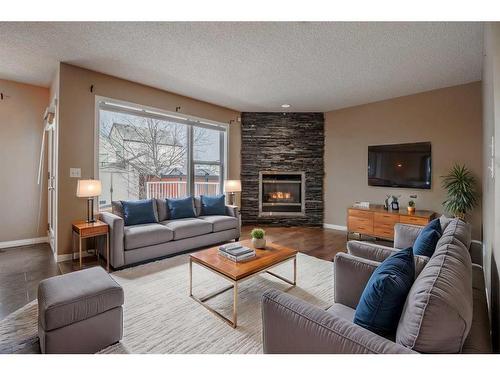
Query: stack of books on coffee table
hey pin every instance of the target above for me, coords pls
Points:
(236, 252)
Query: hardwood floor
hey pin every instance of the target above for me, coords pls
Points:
(22, 268)
(318, 242)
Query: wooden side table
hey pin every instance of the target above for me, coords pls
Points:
(83, 230)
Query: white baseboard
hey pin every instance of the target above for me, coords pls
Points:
(25, 242)
(342, 228)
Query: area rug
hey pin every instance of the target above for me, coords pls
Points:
(159, 317)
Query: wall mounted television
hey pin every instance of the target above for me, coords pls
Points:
(406, 165)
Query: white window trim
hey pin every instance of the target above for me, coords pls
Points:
(143, 110)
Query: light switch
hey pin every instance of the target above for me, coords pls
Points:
(75, 172)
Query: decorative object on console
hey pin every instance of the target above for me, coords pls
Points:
(232, 187)
(361, 204)
(411, 206)
(386, 202)
(258, 240)
(89, 189)
(462, 195)
(395, 203)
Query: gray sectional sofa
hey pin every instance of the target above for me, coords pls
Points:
(138, 243)
(445, 311)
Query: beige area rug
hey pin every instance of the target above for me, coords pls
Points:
(159, 317)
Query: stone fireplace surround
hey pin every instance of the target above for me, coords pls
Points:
(282, 142)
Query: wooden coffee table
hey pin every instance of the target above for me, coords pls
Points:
(236, 273)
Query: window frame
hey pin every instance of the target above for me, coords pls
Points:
(191, 122)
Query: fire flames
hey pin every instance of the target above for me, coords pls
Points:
(280, 195)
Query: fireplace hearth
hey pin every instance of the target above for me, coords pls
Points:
(281, 194)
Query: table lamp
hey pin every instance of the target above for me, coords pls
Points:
(231, 187)
(89, 189)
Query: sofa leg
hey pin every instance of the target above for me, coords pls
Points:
(236, 239)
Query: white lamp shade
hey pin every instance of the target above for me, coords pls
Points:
(232, 186)
(88, 188)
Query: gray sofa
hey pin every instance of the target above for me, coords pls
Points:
(445, 311)
(138, 243)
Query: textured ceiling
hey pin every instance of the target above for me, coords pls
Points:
(254, 66)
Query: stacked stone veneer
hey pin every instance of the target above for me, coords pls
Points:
(288, 142)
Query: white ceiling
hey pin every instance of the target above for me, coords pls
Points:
(254, 66)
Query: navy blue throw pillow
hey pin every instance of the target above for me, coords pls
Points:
(383, 299)
(180, 208)
(213, 205)
(427, 239)
(139, 212)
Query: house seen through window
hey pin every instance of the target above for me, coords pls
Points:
(145, 154)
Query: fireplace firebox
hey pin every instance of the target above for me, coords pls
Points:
(281, 194)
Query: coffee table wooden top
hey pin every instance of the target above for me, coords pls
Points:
(265, 258)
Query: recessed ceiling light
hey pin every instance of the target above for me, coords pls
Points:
(285, 106)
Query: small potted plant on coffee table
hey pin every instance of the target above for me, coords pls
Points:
(258, 240)
(411, 206)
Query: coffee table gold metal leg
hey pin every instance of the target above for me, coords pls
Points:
(107, 252)
(190, 278)
(295, 271)
(80, 249)
(235, 304)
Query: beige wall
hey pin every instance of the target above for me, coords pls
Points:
(491, 212)
(23, 201)
(76, 131)
(449, 118)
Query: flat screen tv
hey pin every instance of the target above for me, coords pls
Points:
(405, 165)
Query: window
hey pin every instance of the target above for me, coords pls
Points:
(150, 154)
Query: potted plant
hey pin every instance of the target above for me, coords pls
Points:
(461, 194)
(411, 206)
(258, 240)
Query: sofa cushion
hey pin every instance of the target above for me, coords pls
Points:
(444, 221)
(379, 307)
(76, 296)
(146, 235)
(213, 205)
(162, 209)
(457, 232)
(180, 208)
(189, 227)
(438, 311)
(139, 212)
(342, 311)
(427, 239)
(221, 222)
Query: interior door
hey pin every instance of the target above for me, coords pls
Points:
(51, 184)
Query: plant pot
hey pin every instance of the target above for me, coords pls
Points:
(411, 209)
(259, 243)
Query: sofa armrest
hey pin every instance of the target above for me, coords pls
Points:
(116, 251)
(232, 211)
(380, 253)
(476, 253)
(290, 325)
(350, 277)
(405, 235)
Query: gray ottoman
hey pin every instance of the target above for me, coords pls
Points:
(80, 312)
